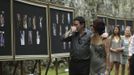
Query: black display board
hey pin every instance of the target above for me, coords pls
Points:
(30, 25)
(121, 23)
(104, 19)
(60, 22)
(129, 23)
(5, 29)
(111, 24)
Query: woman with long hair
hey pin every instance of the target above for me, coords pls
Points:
(116, 49)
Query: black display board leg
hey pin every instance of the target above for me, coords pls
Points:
(39, 67)
(21, 65)
(56, 66)
(68, 60)
(16, 65)
(1, 68)
(34, 67)
(48, 65)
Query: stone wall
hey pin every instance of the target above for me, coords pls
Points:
(89, 8)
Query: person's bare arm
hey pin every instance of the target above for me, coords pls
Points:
(107, 50)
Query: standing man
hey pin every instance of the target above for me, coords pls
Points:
(80, 54)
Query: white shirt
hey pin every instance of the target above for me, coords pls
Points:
(131, 46)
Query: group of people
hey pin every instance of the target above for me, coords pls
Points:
(119, 53)
(94, 52)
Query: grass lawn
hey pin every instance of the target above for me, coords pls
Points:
(61, 71)
(126, 71)
(52, 71)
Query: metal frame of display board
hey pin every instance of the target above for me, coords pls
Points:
(6, 48)
(41, 29)
(59, 17)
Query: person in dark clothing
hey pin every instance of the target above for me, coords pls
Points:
(80, 53)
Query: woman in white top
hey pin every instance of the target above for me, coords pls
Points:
(131, 49)
(125, 55)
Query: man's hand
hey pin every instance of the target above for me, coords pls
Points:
(73, 29)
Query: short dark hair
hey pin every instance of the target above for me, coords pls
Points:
(99, 26)
(80, 19)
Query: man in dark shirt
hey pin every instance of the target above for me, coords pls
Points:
(80, 53)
